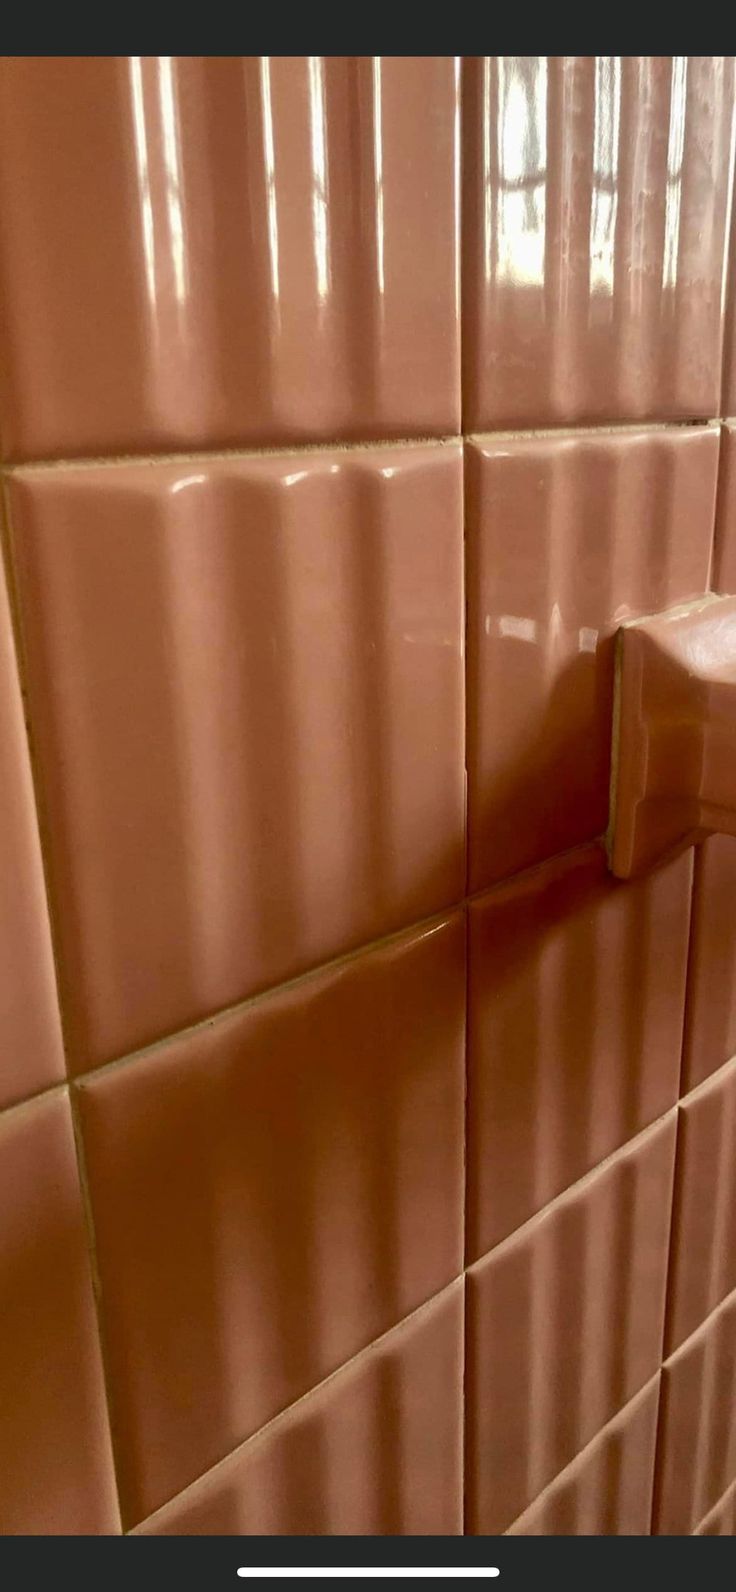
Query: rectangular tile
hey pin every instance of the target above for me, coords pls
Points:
(576, 999)
(565, 1325)
(32, 1053)
(216, 250)
(607, 1490)
(568, 535)
(595, 209)
(376, 1451)
(56, 1474)
(696, 1459)
(246, 684)
(710, 1025)
(271, 1192)
(703, 1254)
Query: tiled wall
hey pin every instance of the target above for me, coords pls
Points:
(364, 1169)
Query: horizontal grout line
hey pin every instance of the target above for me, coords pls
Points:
(453, 1286)
(11, 467)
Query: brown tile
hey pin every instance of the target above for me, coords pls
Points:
(217, 250)
(724, 558)
(576, 996)
(32, 1056)
(607, 1490)
(595, 203)
(567, 536)
(696, 1457)
(376, 1451)
(564, 1326)
(703, 1256)
(721, 1522)
(270, 1193)
(710, 1025)
(56, 1475)
(246, 683)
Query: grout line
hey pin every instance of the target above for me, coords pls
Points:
(594, 428)
(723, 1305)
(280, 1419)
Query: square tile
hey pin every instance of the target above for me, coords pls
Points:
(607, 1490)
(595, 212)
(216, 250)
(576, 999)
(246, 683)
(565, 1325)
(703, 1255)
(696, 1458)
(710, 1024)
(56, 1474)
(270, 1192)
(568, 535)
(376, 1451)
(32, 1056)
(724, 557)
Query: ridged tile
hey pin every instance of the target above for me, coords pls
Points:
(565, 1324)
(721, 1522)
(567, 536)
(271, 1192)
(595, 212)
(703, 1257)
(576, 998)
(724, 558)
(696, 1457)
(375, 1452)
(246, 685)
(216, 250)
(710, 1025)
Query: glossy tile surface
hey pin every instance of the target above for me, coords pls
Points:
(270, 1193)
(607, 1490)
(721, 1521)
(710, 1029)
(246, 684)
(703, 1257)
(56, 1475)
(31, 1050)
(595, 212)
(724, 559)
(576, 990)
(567, 536)
(220, 250)
(697, 1443)
(565, 1325)
(378, 1451)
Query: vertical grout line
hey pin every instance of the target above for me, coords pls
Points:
(459, 234)
(728, 297)
(18, 637)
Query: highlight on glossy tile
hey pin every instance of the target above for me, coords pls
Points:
(568, 535)
(576, 1000)
(724, 556)
(217, 250)
(710, 1029)
(596, 197)
(703, 1256)
(270, 1192)
(56, 1472)
(246, 682)
(376, 1451)
(697, 1440)
(607, 1490)
(565, 1324)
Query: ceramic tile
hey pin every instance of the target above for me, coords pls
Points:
(710, 1027)
(270, 1193)
(376, 1451)
(246, 684)
(32, 1056)
(215, 250)
(697, 1443)
(703, 1258)
(56, 1475)
(728, 397)
(607, 1490)
(721, 1521)
(567, 536)
(724, 561)
(565, 1325)
(595, 212)
(576, 997)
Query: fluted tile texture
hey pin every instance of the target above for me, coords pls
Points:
(697, 1425)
